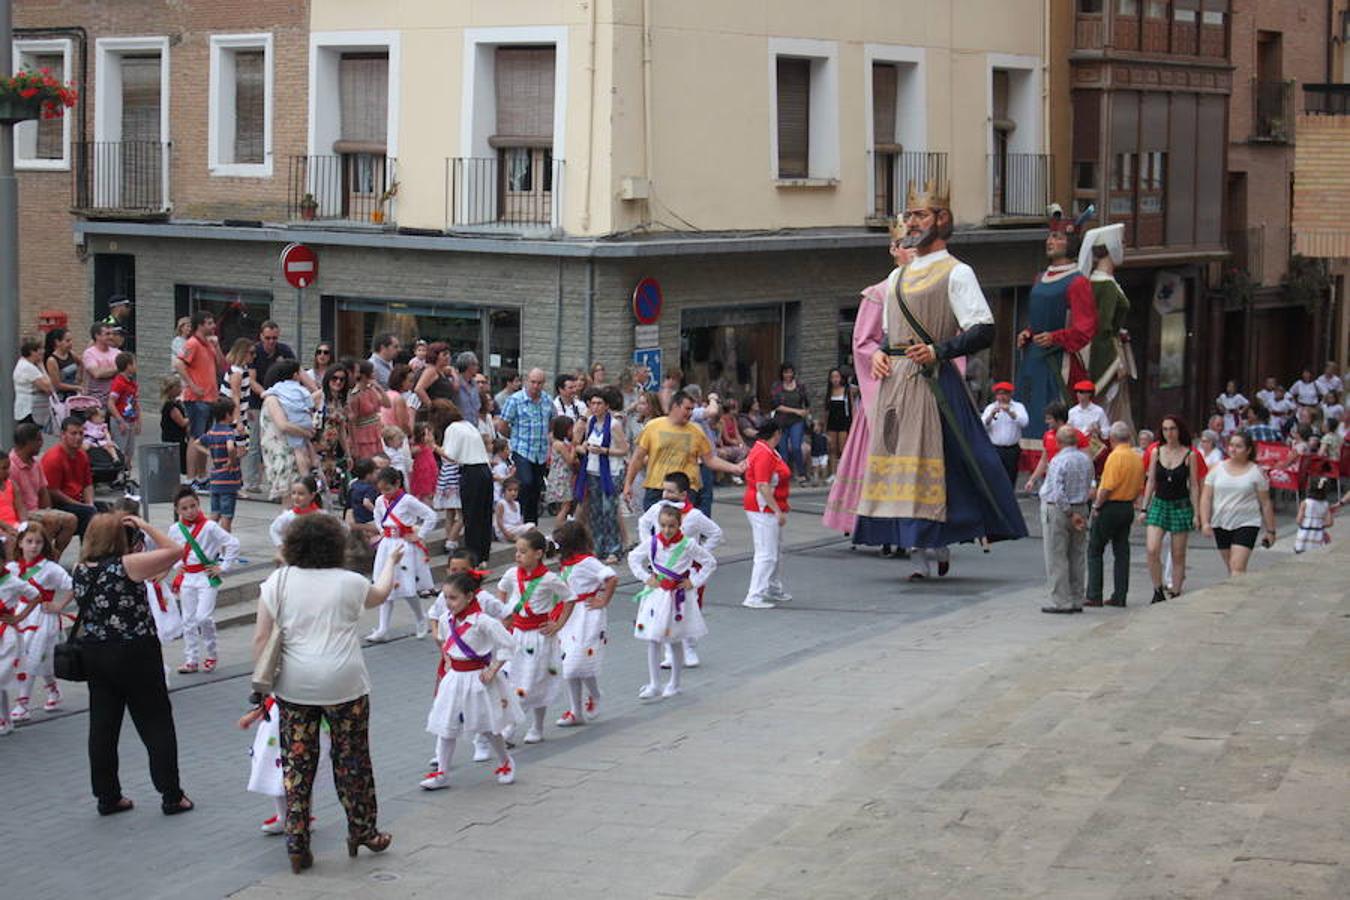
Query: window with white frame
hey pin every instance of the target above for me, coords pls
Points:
(241, 105)
(129, 158)
(804, 109)
(44, 143)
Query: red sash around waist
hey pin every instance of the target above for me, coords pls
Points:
(468, 665)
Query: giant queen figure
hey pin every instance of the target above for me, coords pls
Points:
(931, 476)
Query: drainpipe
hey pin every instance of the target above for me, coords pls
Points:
(590, 310)
(590, 122)
(648, 148)
(557, 318)
(9, 241)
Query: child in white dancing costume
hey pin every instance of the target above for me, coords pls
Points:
(472, 697)
(18, 600)
(264, 775)
(584, 636)
(696, 525)
(305, 499)
(540, 603)
(1314, 517)
(404, 521)
(208, 551)
(163, 607)
(667, 614)
(33, 563)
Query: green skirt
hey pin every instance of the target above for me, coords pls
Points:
(1171, 515)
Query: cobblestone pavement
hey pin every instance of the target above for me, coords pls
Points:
(815, 713)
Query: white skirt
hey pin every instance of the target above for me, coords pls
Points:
(583, 641)
(11, 659)
(264, 776)
(657, 620)
(535, 669)
(413, 573)
(464, 705)
(168, 621)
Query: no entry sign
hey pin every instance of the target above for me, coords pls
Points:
(299, 265)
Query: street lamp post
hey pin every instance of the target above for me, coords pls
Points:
(9, 241)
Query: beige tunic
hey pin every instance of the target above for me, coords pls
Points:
(906, 474)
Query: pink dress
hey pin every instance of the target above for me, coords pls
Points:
(424, 472)
(842, 505)
(363, 407)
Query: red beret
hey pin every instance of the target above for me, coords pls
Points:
(1003, 386)
(1085, 385)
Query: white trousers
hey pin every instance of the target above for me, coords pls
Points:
(766, 578)
(199, 625)
(920, 557)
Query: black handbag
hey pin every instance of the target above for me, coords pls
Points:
(68, 655)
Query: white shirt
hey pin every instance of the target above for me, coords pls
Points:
(1305, 393)
(25, 373)
(217, 543)
(1266, 397)
(1329, 383)
(1280, 410)
(1005, 427)
(1233, 402)
(963, 291)
(1236, 497)
(574, 408)
(1333, 411)
(463, 444)
(1083, 418)
(321, 662)
(694, 523)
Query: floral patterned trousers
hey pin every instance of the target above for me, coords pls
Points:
(349, 725)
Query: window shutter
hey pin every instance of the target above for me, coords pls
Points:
(884, 81)
(524, 82)
(140, 98)
(794, 117)
(51, 132)
(363, 80)
(249, 102)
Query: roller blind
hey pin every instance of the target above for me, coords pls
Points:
(363, 81)
(140, 98)
(524, 97)
(794, 117)
(249, 105)
(884, 81)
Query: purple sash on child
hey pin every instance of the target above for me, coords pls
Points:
(676, 580)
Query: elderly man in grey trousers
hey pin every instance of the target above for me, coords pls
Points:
(1064, 508)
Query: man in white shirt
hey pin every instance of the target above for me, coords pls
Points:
(1085, 415)
(566, 402)
(1330, 380)
(1267, 394)
(1281, 407)
(1305, 391)
(1004, 420)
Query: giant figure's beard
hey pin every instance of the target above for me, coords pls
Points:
(920, 241)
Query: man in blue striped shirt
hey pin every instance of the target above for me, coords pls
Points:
(528, 412)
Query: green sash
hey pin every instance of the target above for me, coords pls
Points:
(202, 558)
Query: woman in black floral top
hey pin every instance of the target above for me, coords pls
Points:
(123, 659)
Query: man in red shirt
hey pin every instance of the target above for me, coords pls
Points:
(25, 470)
(767, 482)
(70, 479)
(200, 366)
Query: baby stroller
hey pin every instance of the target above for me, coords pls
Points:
(105, 469)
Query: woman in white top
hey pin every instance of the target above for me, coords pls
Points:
(317, 604)
(1234, 503)
(1209, 448)
(32, 387)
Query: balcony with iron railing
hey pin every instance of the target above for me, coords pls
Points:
(1272, 111)
(1326, 99)
(1020, 185)
(120, 178)
(517, 190)
(346, 188)
(895, 171)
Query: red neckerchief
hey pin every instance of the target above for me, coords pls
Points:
(305, 510)
(469, 610)
(574, 559)
(684, 510)
(522, 579)
(25, 565)
(679, 536)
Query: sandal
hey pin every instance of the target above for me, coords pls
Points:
(120, 805)
(183, 805)
(376, 843)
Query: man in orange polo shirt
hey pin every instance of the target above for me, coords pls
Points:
(1113, 510)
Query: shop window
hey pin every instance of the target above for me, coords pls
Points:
(239, 314)
(736, 351)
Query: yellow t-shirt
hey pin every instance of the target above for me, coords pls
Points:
(673, 448)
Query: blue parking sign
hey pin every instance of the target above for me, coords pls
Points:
(651, 358)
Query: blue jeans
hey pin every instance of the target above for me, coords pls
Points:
(199, 417)
(704, 500)
(792, 448)
(223, 503)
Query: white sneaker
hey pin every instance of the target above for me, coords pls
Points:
(435, 781)
(53, 699)
(482, 750)
(506, 772)
(377, 636)
(534, 736)
(421, 630)
(274, 825)
(670, 690)
(648, 692)
(690, 656)
(592, 706)
(757, 603)
(5, 727)
(19, 713)
(569, 720)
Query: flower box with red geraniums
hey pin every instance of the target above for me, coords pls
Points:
(30, 94)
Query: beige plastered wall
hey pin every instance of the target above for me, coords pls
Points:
(709, 155)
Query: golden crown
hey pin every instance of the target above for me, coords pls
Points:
(930, 197)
